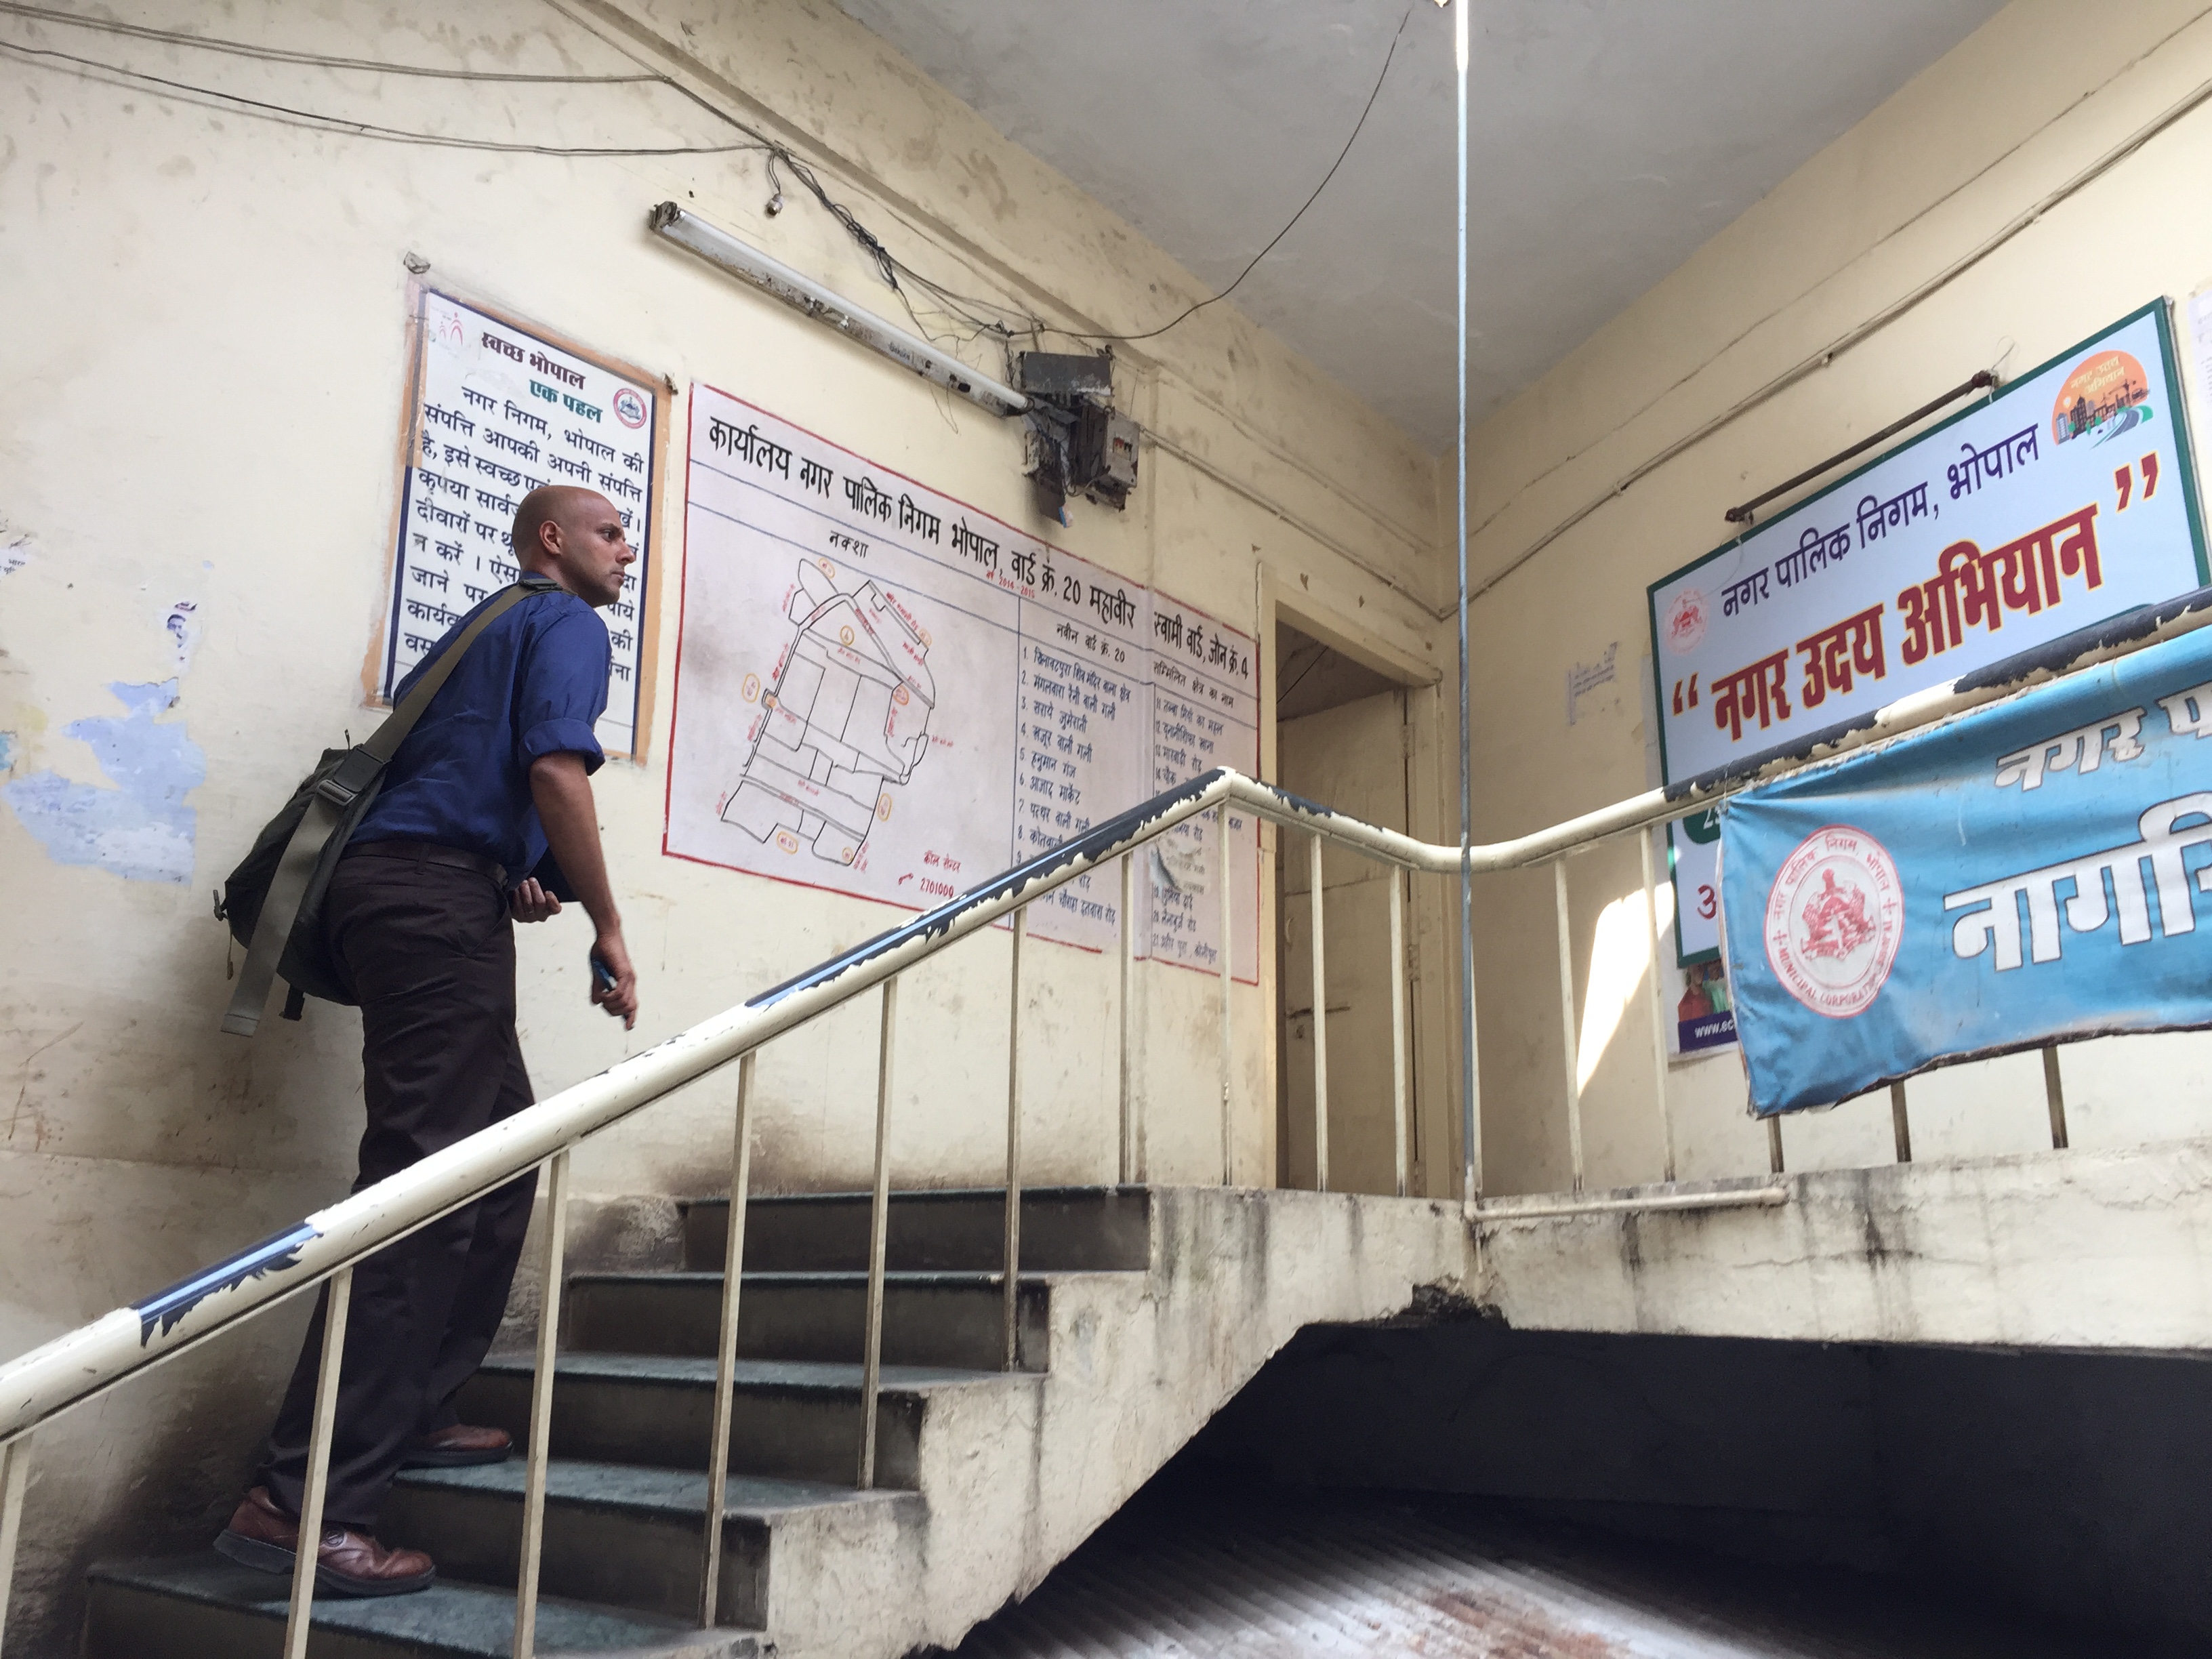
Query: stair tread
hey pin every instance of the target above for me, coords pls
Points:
(642, 1489)
(465, 1620)
(805, 1376)
(925, 1195)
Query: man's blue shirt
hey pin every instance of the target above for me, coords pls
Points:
(534, 682)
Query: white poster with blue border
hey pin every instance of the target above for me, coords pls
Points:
(2064, 499)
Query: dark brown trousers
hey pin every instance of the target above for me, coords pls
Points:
(429, 953)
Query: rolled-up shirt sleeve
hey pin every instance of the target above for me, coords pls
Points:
(562, 690)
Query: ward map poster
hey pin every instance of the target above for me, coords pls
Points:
(883, 692)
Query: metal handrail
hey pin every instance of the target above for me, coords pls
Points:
(326, 1244)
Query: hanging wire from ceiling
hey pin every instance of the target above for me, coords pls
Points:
(973, 317)
(316, 121)
(1358, 127)
(313, 59)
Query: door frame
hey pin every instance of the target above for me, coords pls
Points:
(1431, 1063)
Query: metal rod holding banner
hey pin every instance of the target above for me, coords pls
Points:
(1228, 984)
(15, 1478)
(1012, 1274)
(338, 1300)
(725, 1349)
(541, 1408)
(880, 1214)
(1774, 1146)
(1470, 1104)
(1900, 1126)
(1132, 1161)
(1399, 1127)
(1567, 1021)
(1320, 1019)
(1658, 1002)
(2054, 1095)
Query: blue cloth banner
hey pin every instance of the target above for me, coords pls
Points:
(2022, 874)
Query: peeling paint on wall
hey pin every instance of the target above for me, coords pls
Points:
(141, 829)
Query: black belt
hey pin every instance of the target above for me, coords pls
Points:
(431, 852)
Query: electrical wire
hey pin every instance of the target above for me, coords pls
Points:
(315, 59)
(971, 313)
(316, 120)
(888, 266)
(1357, 127)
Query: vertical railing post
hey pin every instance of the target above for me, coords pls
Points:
(1567, 1021)
(1900, 1126)
(2054, 1095)
(1398, 1105)
(1132, 1156)
(1014, 1142)
(1228, 981)
(15, 1476)
(1658, 1003)
(541, 1408)
(1319, 1018)
(1470, 1152)
(336, 1301)
(725, 1351)
(871, 1356)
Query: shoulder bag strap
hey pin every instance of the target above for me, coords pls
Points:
(327, 807)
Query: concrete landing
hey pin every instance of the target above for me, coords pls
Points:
(2070, 1249)
(1193, 1566)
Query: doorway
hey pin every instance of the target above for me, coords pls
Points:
(1341, 739)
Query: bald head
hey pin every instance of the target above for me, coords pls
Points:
(550, 504)
(576, 537)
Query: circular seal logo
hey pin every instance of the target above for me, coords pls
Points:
(1834, 918)
(1686, 622)
(629, 408)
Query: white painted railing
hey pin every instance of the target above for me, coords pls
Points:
(325, 1246)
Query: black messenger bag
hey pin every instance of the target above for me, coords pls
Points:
(274, 900)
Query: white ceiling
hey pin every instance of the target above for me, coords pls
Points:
(1609, 139)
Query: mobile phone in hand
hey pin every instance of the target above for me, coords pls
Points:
(602, 975)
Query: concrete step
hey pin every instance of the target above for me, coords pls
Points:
(1064, 1230)
(955, 1319)
(798, 1419)
(203, 1606)
(634, 1537)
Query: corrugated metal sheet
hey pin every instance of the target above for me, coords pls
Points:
(1192, 1570)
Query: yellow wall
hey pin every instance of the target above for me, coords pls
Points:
(1879, 273)
(205, 364)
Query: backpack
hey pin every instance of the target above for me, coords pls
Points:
(273, 900)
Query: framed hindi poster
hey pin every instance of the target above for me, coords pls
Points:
(496, 408)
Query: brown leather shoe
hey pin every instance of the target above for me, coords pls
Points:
(457, 1446)
(262, 1535)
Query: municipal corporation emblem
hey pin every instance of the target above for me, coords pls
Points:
(1686, 622)
(629, 408)
(1834, 918)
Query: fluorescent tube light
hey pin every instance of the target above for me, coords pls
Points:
(803, 293)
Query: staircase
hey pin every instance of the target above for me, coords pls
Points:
(1142, 1310)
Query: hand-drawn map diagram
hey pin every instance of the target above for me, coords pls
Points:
(884, 692)
(847, 713)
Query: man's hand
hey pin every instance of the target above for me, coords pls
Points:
(563, 792)
(530, 901)
(622, 1001)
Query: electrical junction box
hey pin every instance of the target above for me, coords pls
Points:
(1059, 374)
(1076, 444)
(1103, 456)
